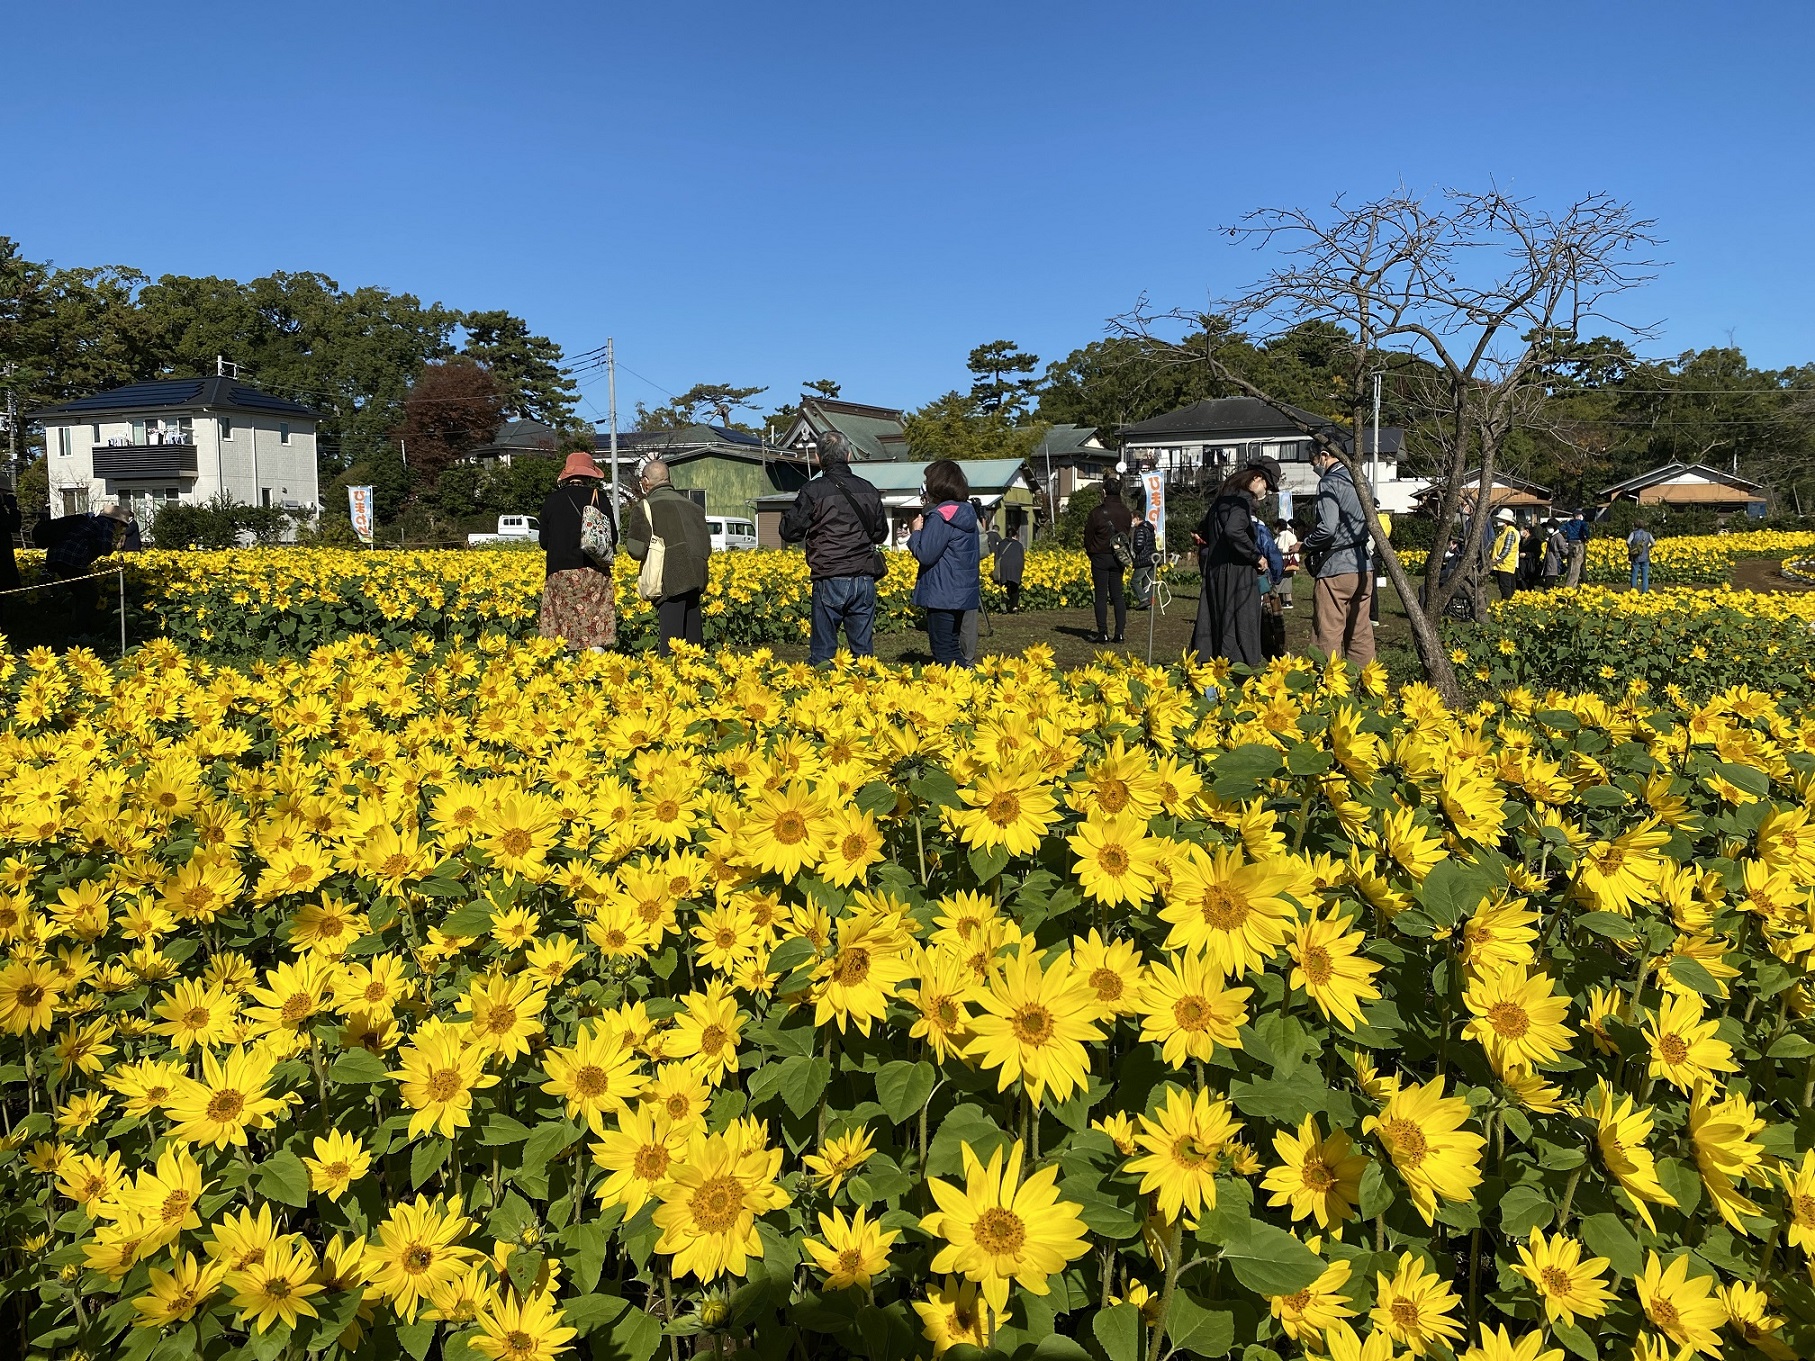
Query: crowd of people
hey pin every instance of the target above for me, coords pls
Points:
(1247, 564)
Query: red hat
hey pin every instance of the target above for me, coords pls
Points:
(579, 464)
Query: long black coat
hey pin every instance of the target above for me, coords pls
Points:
(1228, 607)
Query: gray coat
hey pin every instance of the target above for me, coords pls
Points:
(1339, 543)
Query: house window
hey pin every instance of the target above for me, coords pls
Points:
(63, 440)
(75, 500)
(226, 427)
(283, 432)
(264, 497)
(138, 432)
(95, 433)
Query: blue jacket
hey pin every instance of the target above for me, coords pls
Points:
(946, 547)
(1269, 549)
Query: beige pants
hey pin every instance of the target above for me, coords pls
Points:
(1578, 553)
(1340, 624)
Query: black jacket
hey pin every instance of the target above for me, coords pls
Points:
(558, 528)
(1227, 530)
(1107, 518)
(839, 543)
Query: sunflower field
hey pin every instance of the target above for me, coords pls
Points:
(1683, 642)
(1688, 559)
(267, 601)
(483, 1001)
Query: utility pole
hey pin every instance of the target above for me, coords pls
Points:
(611, 388)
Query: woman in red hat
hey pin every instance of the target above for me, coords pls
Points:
(577, 602)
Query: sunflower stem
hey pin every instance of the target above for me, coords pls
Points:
(1474, 1274)
(1569, 1194)
(1174, 1250)
(920, 845)
(1808, 1085)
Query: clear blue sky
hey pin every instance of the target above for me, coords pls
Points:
(764, 193)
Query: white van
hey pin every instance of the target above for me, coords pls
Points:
(731, 535)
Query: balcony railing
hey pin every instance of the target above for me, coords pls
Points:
(129, 461)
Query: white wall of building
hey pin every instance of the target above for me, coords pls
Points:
(262, 460)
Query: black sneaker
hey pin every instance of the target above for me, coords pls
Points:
(1116, 639)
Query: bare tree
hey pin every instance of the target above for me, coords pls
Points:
(1468, 299)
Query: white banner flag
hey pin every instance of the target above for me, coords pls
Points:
(359, 500)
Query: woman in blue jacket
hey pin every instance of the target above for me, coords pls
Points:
(944, 542)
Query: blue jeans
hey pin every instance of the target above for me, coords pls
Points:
(850, 601)
(942, 630)
(1641, 575)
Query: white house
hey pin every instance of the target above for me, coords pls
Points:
(180, 439)
(1205, 442)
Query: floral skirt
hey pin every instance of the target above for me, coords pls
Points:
(577, 607)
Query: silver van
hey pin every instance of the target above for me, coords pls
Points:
(731, 535)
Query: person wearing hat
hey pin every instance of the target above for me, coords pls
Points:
(1336, 553)
(578, 606)
(73, 544)
(1231, 561)
(1503, 557)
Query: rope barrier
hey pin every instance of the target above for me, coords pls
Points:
(119, 571)
(64, 581)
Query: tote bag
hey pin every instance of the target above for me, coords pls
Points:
(649, 580)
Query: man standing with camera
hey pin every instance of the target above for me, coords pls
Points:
(839, 517)
(1336, 552)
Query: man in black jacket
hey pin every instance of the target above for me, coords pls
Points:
(839, 516)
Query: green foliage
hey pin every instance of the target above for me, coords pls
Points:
(997, 391)
(220, 522)
(1068, 532)
(701, 404)
(954, 426)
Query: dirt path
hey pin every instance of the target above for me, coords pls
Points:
(1762, 574)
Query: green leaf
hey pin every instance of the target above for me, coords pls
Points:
(586, 1312)
(877, 799)
(634, 1337)
(903, 1088)
(501, 1129)
(1523, 1209)
(475, 919)
(523, 1268)
(1453, 889)
(966, 1124)
(1287, 1097)
(426, 1160)
(1203, 1332)
(1118, 1332)
(1305, 759)
(1791, 1047)
(417, 1337)
(803, 1082)
(1270, 1261)
(587, 1244)
(1690, 973)
(1238, 773)
(789, 956)
(1376, 1191)
(938, 788)
(1572, 1337)
(282, 1177)
(545, 1140)
(1609, 924)
(1755, 782)
(1682, 1181)
(511, 1217)
(1560, 719)
(1607, 1236)
(987, 864)
(357, 1068)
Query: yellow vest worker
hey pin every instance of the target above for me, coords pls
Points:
(1503, 557)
